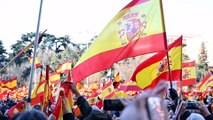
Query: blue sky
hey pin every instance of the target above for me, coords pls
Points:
(84, 20)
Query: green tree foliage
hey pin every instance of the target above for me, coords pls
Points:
(185, 57)
(3, 57)
(202, 66)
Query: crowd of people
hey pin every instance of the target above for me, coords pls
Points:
(151, 104)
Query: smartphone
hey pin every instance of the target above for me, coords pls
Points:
(191, 105)
(156, 108)
(113, 105)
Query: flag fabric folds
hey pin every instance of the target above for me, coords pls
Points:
(10, 84)
(129, 86)
(54, 78)
(58, 111)
(65, 67)
(19, 107)
(188, 73)
(37, 63)
(135, 30)
(205, 84)
(108, 91)
(38, 93)
(148, 73)
(117, 77)
(46, 97)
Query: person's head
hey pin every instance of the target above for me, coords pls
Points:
(195, 116)
(173, 93)
(37, 107)
(32, 115)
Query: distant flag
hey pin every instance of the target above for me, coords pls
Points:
(117, 77)
(19, 107)
(10, 84)
(37, 63)
(148, 73)
(46, 97)
(3, 92)
(129, 86)
(137, 29)
(188, 73)
(121, 94)
(108, 91)
(65, 67)
(79, 85)
(55, 78)
(93, 99)
(38, 92)
(205, 83)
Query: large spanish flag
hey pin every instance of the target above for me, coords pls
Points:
(137, 29)
(10, 84)
(188, 73)
(148, 73)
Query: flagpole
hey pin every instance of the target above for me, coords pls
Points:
(34, 54)
(166, 45)
(20, 53)
(181, 80)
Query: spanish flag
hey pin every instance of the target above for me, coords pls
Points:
(65, 67)
(10, 84)
(54, 78)
(188, 73)
(117, 77)
(205, 84)
(129, 86)
(137, 29)
(37, 63)
(58, 111)
(19, 107)
(108, 91)
(38, 93)
(93, 99)
(46, 90)
(3, 92)
(148, 73)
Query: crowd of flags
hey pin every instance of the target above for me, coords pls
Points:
(136, 30)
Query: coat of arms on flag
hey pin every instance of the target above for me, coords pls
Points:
(132, 26)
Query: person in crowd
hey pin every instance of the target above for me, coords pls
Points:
(88, 113)
(31, 115)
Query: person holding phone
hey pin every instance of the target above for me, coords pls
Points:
(147, 106)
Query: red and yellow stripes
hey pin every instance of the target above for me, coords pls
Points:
(10, 84)
(205, 83)
(37, 63)
(148, 73)
(137, 29)
(129, 86)
(188, 73)
(65, 67)
(58, 111)
(55, 78)
(108, 91)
